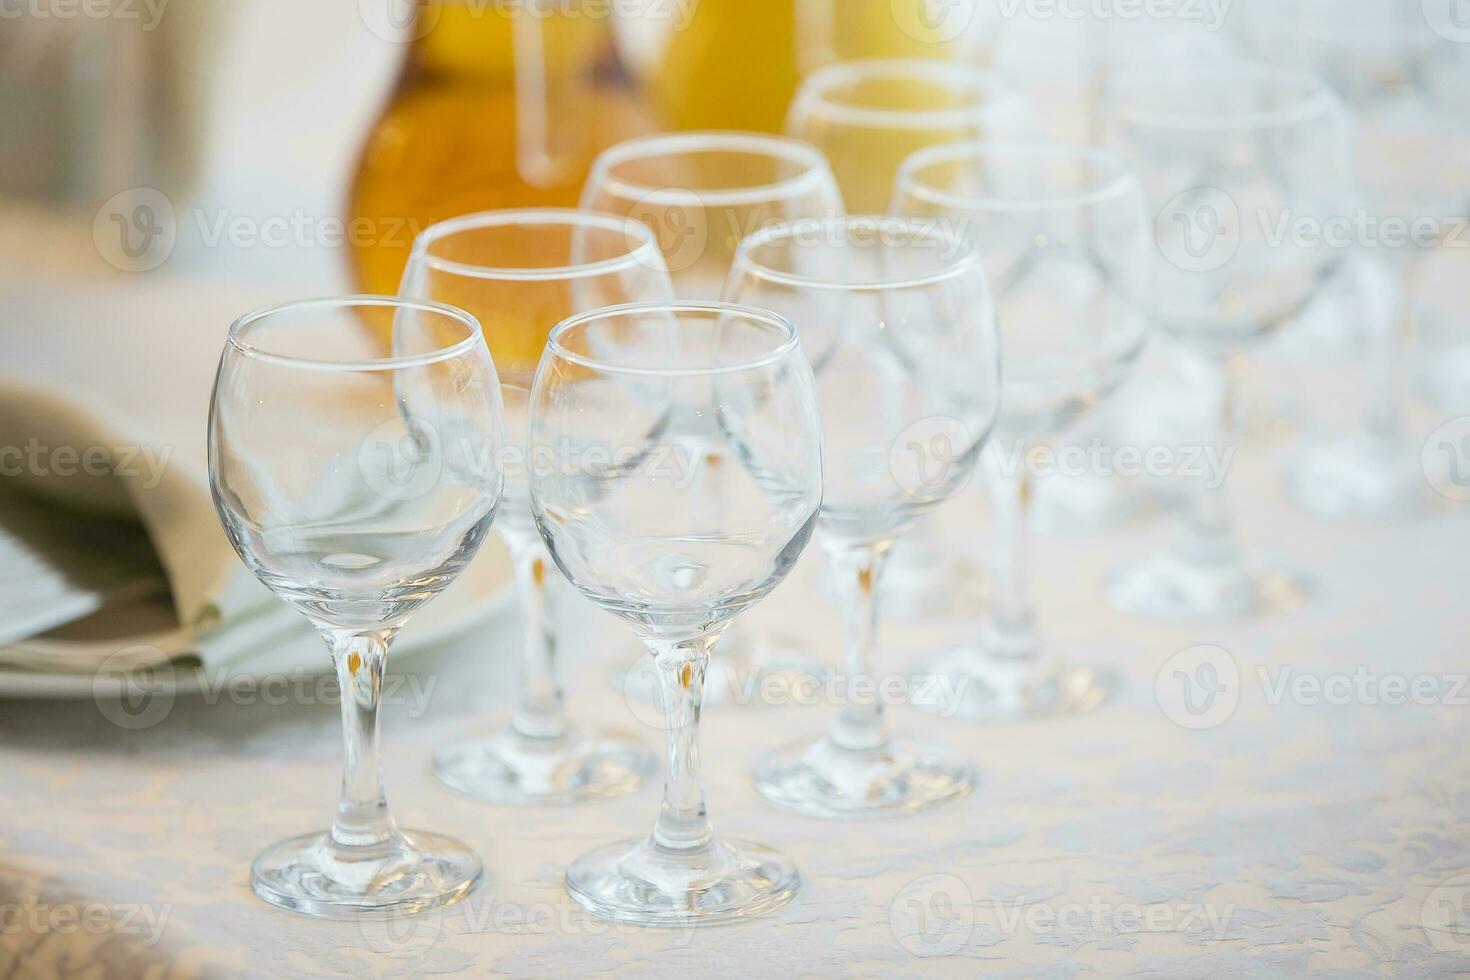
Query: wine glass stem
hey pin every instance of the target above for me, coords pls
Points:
(1211, 525)
(362, 818)
(683, 823)
(859, 571)
(540, 712)
(1012, 622)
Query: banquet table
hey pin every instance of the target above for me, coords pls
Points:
(1283, 797)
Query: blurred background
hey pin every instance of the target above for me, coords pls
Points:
(166, 165)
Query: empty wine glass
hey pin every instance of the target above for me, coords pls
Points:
(896, 317)
(354, 473)
(521, 272)
(1065, 237)
(677, 536)
(702, 193)
(867, 116)
(1240, 163)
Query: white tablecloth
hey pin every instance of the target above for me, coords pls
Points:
(1300, 832)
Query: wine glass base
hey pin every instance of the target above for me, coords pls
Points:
(970, 684)
(1359, 477)
(414, 873)
(821, 779)
(1167, 586)
(509, 767)
(639, 881)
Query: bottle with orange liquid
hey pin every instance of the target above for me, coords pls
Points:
(736, 64)
(500, 103)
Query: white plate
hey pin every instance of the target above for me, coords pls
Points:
(482, 591)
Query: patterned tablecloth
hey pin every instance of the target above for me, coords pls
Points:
(1291, 798)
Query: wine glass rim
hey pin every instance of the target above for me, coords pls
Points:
(814, 163)
(966, 255)
(645, 253)
(992, 92)
(1316, 97)
(472, 339)
(1120, 180)
(791, 341)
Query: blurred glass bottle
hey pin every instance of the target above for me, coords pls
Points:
(500, 104)
(736, 64)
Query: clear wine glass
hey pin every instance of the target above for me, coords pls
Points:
(702, 193)
(896, 317)
(1240, 163)
(677, 537)
(521, 272)
(354, 473)
(868, 116)
(1065, 236)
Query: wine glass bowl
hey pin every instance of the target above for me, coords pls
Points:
(355, 473)
(702, 192)
(868, 116)
(677, 530)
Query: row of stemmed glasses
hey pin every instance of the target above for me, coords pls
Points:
(895, 317)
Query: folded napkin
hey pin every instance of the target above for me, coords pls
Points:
(111, 554)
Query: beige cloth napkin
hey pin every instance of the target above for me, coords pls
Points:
(104, 394)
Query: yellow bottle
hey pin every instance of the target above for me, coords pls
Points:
(498, 105)
(732, 65)
(736, 64)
